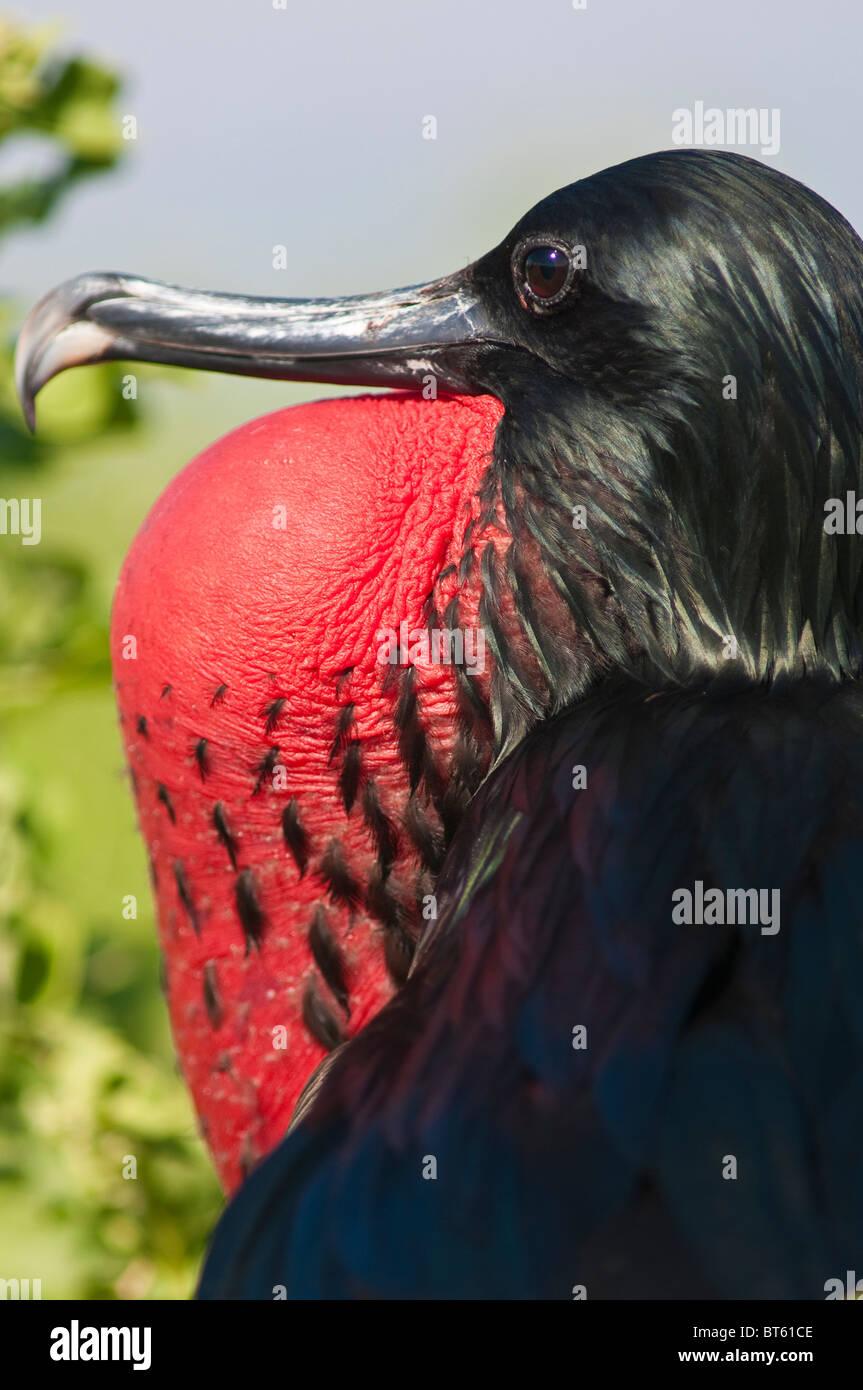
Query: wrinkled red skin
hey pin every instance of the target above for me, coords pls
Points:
(377, 492)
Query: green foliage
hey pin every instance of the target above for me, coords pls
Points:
(69, 101)
(105, 1190)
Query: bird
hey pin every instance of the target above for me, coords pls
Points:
(623, 1054)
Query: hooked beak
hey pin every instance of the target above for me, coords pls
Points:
(390, 339)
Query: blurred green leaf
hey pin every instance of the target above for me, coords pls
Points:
(71, 101)
(88, 1083)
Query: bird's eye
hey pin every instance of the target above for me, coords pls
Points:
(545, 271)
(543, 274)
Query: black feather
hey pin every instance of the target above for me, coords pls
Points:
(212, 995)
(185, 893)
(265, 768)
(399, 945)
(163, 795)
(249, 909)
(426, 838)
(344, 723)
(295, 835)
(340, 882)
(224, 833)
(272, 712)
(201, 757)
(383, 831)
(327, 956)
(320, 1019)
(351, 773)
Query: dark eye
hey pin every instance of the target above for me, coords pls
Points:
(545, 271)
(543, 274)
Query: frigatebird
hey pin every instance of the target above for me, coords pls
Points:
(627, 1059)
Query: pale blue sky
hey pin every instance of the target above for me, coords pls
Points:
(303, 126)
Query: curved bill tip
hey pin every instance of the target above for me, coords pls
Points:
(56, 335)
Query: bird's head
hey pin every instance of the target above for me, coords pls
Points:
(667, 361)
(676, 343)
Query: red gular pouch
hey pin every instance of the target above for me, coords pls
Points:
(289, 751)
